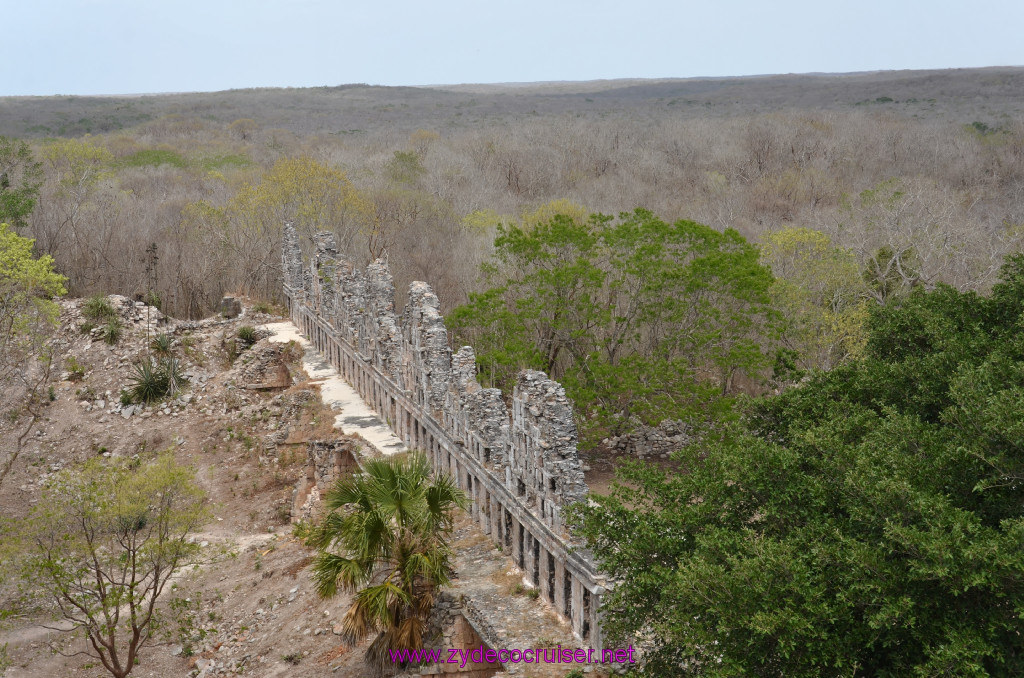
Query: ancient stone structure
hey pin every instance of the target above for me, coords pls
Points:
(327, 460)
(651, 441)
(456, 623)
(230, 307)
(519, 469)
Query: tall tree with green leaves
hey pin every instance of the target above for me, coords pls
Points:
(820, 294)
(386, 538)
(867, 522)
(636, 316)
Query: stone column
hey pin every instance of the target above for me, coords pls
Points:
(596, 639)
(577, 607)
(517, 531)
(559, 588)
(543, 574)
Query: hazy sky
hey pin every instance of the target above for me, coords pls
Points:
(135, 46)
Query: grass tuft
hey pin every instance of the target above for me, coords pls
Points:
(99, 309)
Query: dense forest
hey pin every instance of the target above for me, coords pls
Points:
(819, 276)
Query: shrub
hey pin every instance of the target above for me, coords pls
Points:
(86, 327)
(98, 308)
(76, 370)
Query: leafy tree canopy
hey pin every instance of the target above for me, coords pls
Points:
(868, 522)
(636, 316)
(105, 544)
(821, 296)
(27, 287)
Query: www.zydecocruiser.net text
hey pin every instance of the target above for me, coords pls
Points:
(485, 655)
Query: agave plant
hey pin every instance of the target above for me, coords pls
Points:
(386, 537)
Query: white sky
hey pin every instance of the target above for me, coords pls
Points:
(137, 46)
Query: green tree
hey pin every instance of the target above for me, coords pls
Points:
(405, 169)
(20, 178)
(28, 316)
(307, 193)
(867, 522)
(634, 315)
(386, 538)
(104, 545)
(820, 294)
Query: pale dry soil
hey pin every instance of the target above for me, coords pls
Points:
(249, 608)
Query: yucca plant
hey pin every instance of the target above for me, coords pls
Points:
(386, 537)
(161, 344)
(171, 371)
(154, 380)
(148, 382)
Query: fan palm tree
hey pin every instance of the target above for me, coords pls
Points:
(385, 537)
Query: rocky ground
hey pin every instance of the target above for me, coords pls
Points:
(243, 422)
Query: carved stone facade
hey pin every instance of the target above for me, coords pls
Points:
(519, 469)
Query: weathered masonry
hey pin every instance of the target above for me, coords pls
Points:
(518, 471)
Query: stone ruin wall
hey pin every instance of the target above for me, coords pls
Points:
(518, 468)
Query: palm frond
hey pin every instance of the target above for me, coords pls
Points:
(330, 571)
(381, 601)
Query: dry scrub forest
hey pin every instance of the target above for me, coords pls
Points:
(426, 174)
(670, 250)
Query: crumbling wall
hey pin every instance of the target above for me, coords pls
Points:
(651, 441)
(454, 623)
(519, 468)
(326, 461)
(544, 464)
